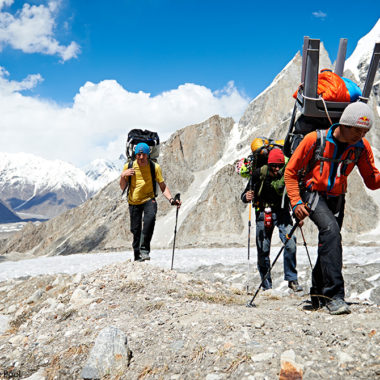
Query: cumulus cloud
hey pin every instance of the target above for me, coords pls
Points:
(97, 123)
(31, 30)
(320, 14)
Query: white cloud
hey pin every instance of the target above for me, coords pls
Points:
(5, 3)
(31, 30)
(28, 83)
(320, 14)
(97, 123)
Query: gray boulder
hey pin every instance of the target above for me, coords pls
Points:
(109, 356)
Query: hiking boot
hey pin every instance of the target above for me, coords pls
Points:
(144, 256)
(338, 306)
(137, 256)
(317, 299)
(295, 286)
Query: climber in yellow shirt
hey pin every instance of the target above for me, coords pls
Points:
(142, 198)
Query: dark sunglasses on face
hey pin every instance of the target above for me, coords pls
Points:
(273, 166)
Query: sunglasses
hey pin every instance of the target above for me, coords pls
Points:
(280, 166)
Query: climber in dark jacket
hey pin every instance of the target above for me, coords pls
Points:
(266, 190)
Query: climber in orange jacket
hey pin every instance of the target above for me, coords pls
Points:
(316, 175)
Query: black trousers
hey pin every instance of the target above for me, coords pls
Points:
(143, 219)
(327, 278)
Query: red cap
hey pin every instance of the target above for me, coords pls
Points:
(276, 157)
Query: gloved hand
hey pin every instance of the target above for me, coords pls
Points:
(176, 200)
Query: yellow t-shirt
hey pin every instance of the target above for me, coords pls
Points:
(141, 189)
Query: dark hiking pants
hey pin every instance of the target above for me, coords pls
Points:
(283, 222)
(327, 278)
(143, 219)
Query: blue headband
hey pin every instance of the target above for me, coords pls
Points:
(142, 148)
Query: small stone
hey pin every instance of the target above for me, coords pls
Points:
(39, 375)
(77, 278)
(259, 325)
(344, 357)
(213, 376)
(4, 323)
(11, 309)
(80, 297)
(16, 340)
(177, 345)
(262, 357)
(35, 296)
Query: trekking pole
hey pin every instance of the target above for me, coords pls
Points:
(288, 237)
(249, 243)
(305, 245)
(176, 198)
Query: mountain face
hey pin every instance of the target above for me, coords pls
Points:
(7, 216)
(34, 187)
(198, 162)
(101, 172)
(357, 66)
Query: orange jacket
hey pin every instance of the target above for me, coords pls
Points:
(327, 182)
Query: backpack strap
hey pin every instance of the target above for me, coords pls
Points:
(130, 166)
(153, 174)
(320, 144)
(319, 148)
(352, 157)
(263, 174)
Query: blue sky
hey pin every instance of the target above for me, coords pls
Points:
(229, 51)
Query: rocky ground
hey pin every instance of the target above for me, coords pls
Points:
(183, 326)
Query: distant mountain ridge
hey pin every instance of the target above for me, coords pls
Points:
(102, 172)
(33, 187)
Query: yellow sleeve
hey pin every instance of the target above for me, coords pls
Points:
(158, 171)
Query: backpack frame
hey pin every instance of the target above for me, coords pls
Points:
(316, 113)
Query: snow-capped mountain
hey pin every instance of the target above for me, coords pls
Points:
(102, 172)
(359, 61)
(34, 187)
(363, 52)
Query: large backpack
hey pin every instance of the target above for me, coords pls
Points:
(260, 147)
(136, 136)
(322, 97)
(301, 127)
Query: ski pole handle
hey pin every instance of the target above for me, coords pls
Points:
(176, 201)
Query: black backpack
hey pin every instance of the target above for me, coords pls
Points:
(299, 129)
(136, 136)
